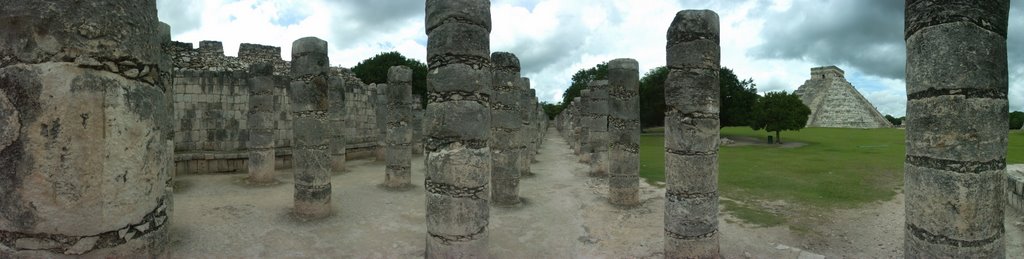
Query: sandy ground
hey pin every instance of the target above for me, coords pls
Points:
(565, 215)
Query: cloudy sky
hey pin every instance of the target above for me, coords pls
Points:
(775, 42)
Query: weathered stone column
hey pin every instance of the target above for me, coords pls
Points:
(691, 136)
(457, 127)
(380, 109)
(597, 122)
(398, 140)
(83, 130)
(417, 125)
(956, 128)
(523, 159)
(584, 132)
(624, 129)
(531, 128)
(586, 149)
(311, 127)
(261, 123)
(336, 113)
(574, 123)
(506, 130)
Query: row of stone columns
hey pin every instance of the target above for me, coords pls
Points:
(602, 127)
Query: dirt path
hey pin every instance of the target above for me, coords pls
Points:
(565, 215)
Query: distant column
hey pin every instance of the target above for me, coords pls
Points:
(417, 124)
(691, 136)
(523, 159)
(956, 141)
(624, 129)
(506, 130)
(531, 107)
(381, 112)
(574, 122)
(311, 127)
(398, 137)
(597, 123)
(261, 123)
(457, 127)
(336, 112)
(583, 139)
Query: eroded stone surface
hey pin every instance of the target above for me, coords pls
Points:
(691, 138)
(506, 130)
(309, 92)
(624, 129)
(956, 134)
(457, 126)
(398, 138)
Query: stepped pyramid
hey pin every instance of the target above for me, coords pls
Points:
(835, 103)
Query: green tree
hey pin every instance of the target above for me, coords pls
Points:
(896, 121)
(551, 109)
(375, 71)
(581, 79)
(1016, 119)
(737, 99)
(778, 111)
(652, 97)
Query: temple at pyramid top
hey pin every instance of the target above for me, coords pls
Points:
(835, 103)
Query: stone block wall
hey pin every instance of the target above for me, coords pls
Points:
(211, 107)
(1015, 187)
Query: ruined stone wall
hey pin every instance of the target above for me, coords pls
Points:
(1015, 187)
(361, 123)
(211, 107)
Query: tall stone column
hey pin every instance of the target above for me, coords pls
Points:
(417, 125)
(457, 128)
(583, 139)
(691, 136)
(523, 159)
(336, 113)
(956, 128)
(84, 121)
(597, 122)
(311, 126)
(574, 123)
(531, 128)
(261, 123)
(506, 129)
(398, 137)
(624, 129)
(380, 104)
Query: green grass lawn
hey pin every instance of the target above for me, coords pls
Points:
(838, 168)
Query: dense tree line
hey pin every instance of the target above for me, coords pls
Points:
(374, 70)
(739, 99)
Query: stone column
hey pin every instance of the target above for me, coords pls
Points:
(691, 136)
(84, 121)
(574, 125)
(311, 127)
(417, 125)
(261, 123)
(506, 128)
(381, 111)
(531, 106)
(597, 122)
(336, 113)
(956, 141)
(457, 128)
(624, 129)
(523, 159)
(585, 118)
(398, 137)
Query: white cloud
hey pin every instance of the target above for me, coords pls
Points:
(554, 39)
